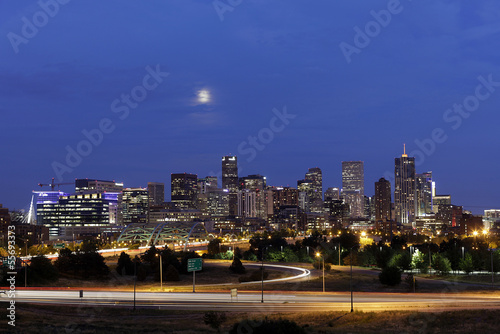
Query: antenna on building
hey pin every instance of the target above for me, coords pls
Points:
(404, 151)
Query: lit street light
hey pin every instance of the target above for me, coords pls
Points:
(161, 272)
(318, 254)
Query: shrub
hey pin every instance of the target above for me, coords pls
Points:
(319, 265)
(214, 319)
(390, 276)
(237, 267)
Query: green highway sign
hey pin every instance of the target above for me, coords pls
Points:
(59, 246)
(194, 264)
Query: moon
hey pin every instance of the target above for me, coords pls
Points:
(203, 96)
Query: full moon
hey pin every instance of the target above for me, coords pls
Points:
(203, 96)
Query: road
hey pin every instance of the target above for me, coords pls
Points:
(273, 302)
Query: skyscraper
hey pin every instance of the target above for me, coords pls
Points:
(353, 186)
(135, 205)
(184, 190)
(156, 193)
(382, 200)
(315, 177)
(230, 181)
(404, 189)
(424, 193)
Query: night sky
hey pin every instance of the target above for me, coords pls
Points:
(345, 95)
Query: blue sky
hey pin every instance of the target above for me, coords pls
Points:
(263, 56)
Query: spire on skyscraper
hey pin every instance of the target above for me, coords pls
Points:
(404, 151)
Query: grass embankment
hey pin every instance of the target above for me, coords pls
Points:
(55, 319)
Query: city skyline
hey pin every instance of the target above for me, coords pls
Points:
(352, 179)
(164, 88)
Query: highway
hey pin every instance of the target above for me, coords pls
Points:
(251, 302)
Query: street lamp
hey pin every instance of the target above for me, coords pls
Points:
(318, 254)
(350, 258)
(262, 274)
(161, 272)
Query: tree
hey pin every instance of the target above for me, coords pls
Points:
(213, 247)
(398, 243)
(214, 319)
(171, 274)
(125, 265)
(419, 262)
(441, 264)
(390, 276)
(466, 264)
(150, 256)
(237, 267)
(402, 260)
(41, 270)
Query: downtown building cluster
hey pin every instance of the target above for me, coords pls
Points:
(249, 204)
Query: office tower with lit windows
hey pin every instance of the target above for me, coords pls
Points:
(230, 181)
(382, 200)
(404, 189)
(424, 191)
(156, 193)
(184, 190)
(332, 194)
(440, 201)
(314, 176)
(284, 196)
(66, 215)
(135, 205)
(91, 186)
(263, 197)
(305, 189)
(353, 186)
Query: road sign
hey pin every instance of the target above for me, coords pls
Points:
(58, 246)
(194, 264)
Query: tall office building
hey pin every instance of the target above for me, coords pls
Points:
(230, 181)
(206, 184)
(258, 184)
(305, 189)
(353, 187)
(284, 196)
(314, 178)
(382, 200)
(332, 194)
(440, 201)
(404, 189)
(184, 189)
(66, 215)
(4, 216)
(424, 188)
(156, 193)
(90, 186)
(135, 205)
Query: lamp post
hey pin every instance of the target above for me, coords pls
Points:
(262, 274)
(350, 258)
(26, 265)
(318, 254)
(161, 272)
